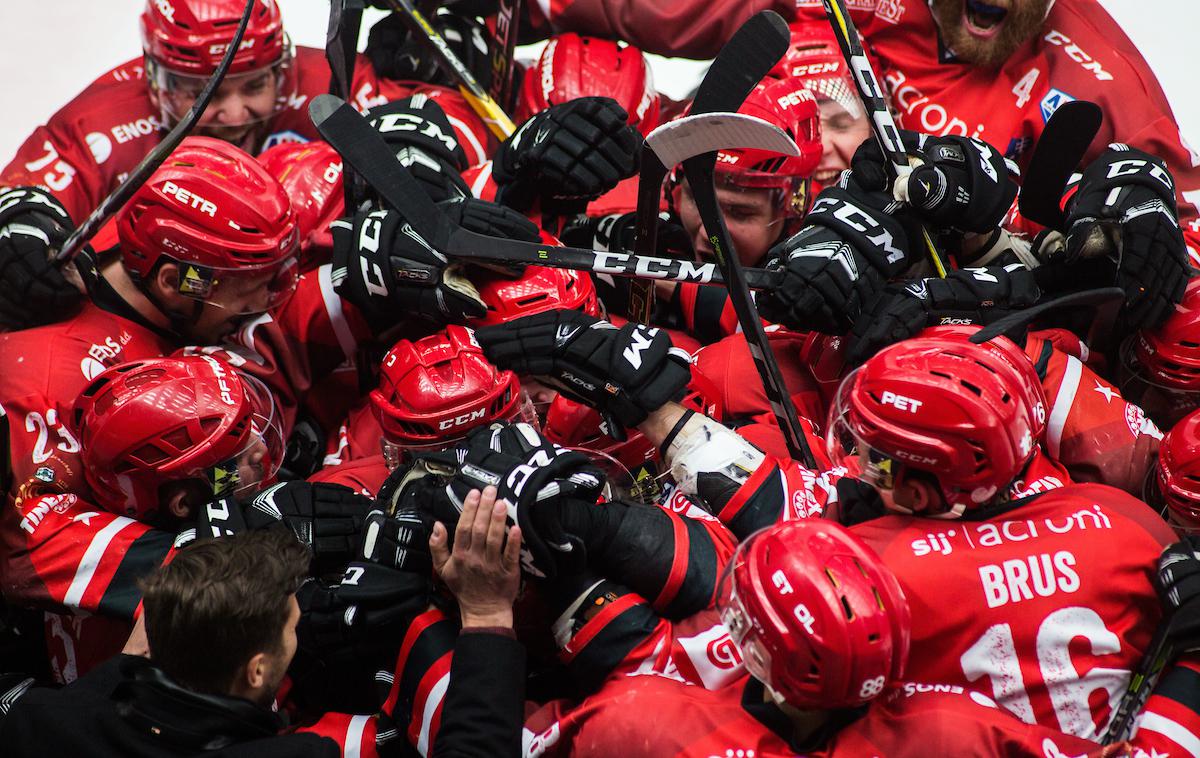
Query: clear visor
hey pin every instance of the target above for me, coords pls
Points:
(241, 291)
(398, 453)
(738, 621)
(243, 100)
(256, 464)
(645, 485)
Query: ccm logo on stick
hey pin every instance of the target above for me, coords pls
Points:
(900, 401)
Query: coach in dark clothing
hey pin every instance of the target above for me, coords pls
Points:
(220, 621)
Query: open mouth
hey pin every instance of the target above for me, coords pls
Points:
(983, 19)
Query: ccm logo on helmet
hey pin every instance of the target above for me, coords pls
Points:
(812, 69)
(465, 418)
(189, 198)
(900, 401)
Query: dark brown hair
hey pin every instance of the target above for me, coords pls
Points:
(221, 602)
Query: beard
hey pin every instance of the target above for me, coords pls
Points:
(963, 30)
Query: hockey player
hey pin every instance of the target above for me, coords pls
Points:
(311, 174)
(1159, 367)
(1171, 486)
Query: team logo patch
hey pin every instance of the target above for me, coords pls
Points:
(1053, 99)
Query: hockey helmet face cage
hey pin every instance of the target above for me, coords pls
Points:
(952, 409)
(816, 615)
(311, 175)
(435, 390)
(145, 424)
(632, 465)
(572, 66)
(1177, 475)
(536, 290)
(815, 61)
(226, 222)
(184, 41)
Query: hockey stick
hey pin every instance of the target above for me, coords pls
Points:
(504, 42)
(752, 51)
(883, 126)
(141, 172)
(481, 102)
(1141, 683)
(364, 150)
(341, 50)
(1056, 156)
(1106, 301)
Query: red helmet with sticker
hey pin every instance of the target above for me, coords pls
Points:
(818, 617)
(793, 109)
(572, 66)
(536, 290)
(434, 390)
(148, 423)
(1178, 474)
(1169, 356)
(311, 175)
(215, 211)
(965, 413)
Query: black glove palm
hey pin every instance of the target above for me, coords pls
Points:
(33, 291)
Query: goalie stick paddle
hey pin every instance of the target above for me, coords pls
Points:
(142, 171)
(1056, 156)
(364, 150)
(883, 126)
(480, 101)
(752, 51)
(735, 85)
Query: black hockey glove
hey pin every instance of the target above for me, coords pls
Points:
(1123, 216)
(616, 234)
(624, 373)
(386, 269)
(967, 296)
(837, 265)
(535, 477)
(398, 542)
(395, 54)
(566, 155)
(33, 291)
(328, 518)
(417, 129)
(492, 219)
(371, 604)
(962, 184)
(1178, 584)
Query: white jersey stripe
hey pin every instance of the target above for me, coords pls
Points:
(1062, 404)
(1177, 733)
(333, 307)
(354, 735)
(436, 694)
(91, 559)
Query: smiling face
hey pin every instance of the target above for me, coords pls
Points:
(987, 33)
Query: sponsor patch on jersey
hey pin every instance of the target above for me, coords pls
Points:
(1017, 147)
(100, 145)
(1053, 99)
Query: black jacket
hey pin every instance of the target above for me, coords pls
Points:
(127, 707)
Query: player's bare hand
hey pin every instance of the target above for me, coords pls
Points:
(483, 568)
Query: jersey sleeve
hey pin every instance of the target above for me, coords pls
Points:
(689, 29)
(61, 553)
(1170, 721)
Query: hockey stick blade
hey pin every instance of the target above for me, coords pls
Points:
(1106, 301)
(368, 155)
(746, 58)
(1056, 156)
(676, 141)
(141, 172)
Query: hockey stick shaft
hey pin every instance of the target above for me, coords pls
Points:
(746, 58)
(480, 101)
(365, 152)
(1141, 683)
(341, 50)
(883, 126)
(109, 206)
(1059, 150)
(504, 42)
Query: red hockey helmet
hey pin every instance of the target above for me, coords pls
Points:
(572, 66)
(148, 423)
(951, 408)
(434, 390)
(537, 290)
(184, 41)
(815, 61)
(1177, 475)
(1169, 356)
(311, 175)
(216, 212)
(818, 617)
